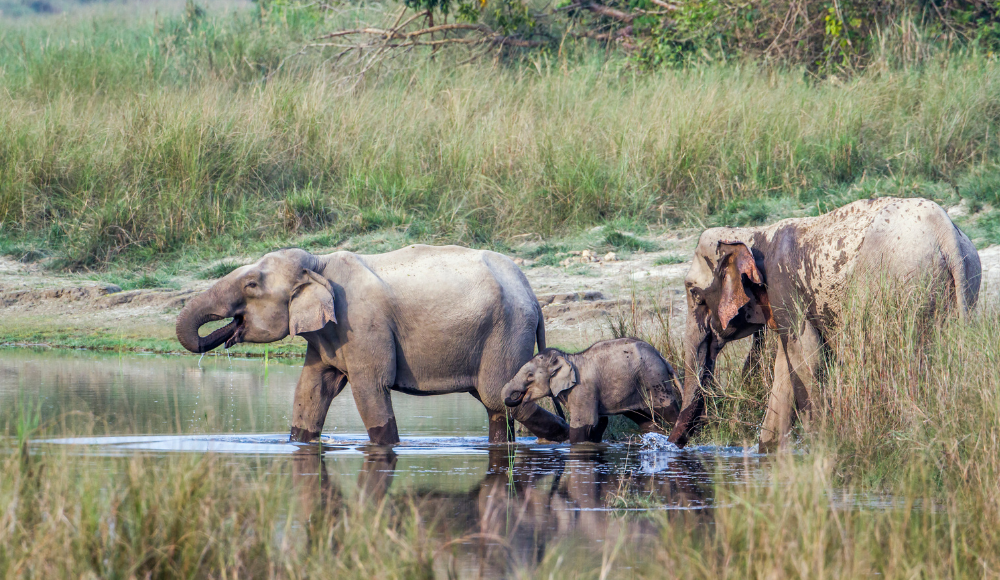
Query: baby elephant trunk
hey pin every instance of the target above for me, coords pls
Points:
(513, 393)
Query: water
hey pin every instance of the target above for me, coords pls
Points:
(163, 405)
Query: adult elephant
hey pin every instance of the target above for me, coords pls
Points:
(793, 277)
(421, 320)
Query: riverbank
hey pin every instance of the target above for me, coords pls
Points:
(583, 292)
(141, 142)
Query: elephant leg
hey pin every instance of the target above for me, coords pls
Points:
(597, 435)
(804, 358)
(501, 423)
(540, 422)
(645, 421)
(375, 407)
(318, 385)
(778, 417)
(501, 427)
(584, 418)
(372, 396)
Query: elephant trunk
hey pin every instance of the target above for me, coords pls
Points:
(699, 361)
(199, 311)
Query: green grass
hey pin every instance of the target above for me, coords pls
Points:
(219, 269)
(109, 339)
(191, 155)
(628, 242)
(669, 259)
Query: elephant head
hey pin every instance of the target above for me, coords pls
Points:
(727, 300)
(548, 374)
(279, 295)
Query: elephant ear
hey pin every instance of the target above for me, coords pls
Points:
(311, 306)
(735, 261)
(565, 376)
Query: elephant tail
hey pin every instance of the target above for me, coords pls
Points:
(540, 329)
(962, 261)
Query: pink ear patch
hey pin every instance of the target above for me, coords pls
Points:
(741, 263)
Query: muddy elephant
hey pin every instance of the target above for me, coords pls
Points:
(422, 320)
(793, 277)
(624, 376)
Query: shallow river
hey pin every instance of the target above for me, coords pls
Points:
(180, 404)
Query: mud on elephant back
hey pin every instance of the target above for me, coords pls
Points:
(422, 320)
(792, 278)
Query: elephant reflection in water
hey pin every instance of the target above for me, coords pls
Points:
(528, 500)
(317, 491)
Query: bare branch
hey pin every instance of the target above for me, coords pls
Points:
(667, 5)
(609, 12)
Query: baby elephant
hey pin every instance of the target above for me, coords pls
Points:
(624, 376)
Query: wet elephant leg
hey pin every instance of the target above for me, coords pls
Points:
(372, 396)
(317, 386)
(584, 416)
(778, 417)
(501, 423)
(501, 427)
(597, 435)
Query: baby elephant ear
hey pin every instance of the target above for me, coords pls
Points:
(311, 306)
(735, 261)
(565, 377)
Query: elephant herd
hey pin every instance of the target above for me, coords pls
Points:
(427, 320)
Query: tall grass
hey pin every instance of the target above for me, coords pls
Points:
(103, 154)
(926, 409)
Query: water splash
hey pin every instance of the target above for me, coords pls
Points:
(657, 442)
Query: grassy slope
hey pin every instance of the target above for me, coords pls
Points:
(183, 151)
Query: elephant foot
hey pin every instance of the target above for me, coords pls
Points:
(772, 445)
(384, 434)
(300, 435)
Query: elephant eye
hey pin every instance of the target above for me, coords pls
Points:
(553, 373)
(251, 285)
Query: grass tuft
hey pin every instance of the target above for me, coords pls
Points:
(219, 269)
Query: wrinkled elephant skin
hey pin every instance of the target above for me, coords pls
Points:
(793, 277)
(421, 320)
(624, 376)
